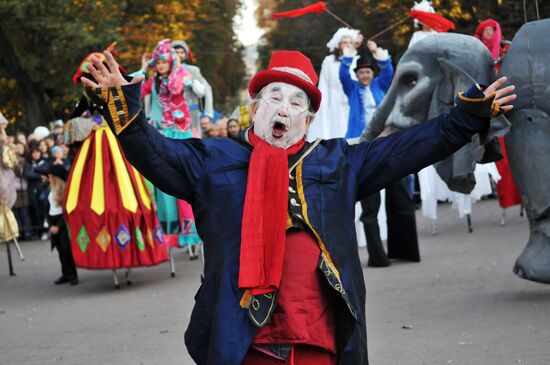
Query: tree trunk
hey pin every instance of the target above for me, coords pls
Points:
(37, 108)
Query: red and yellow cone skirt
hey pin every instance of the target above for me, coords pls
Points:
(111, 218)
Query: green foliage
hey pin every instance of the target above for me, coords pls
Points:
(43, 42)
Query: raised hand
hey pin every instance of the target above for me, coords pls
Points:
(501, 95)
(372, 46)
(106, 76)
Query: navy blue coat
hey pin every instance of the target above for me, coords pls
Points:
(211, 175)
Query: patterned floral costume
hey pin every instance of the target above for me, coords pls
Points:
(170, 115)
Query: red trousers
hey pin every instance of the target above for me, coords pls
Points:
(301, 355)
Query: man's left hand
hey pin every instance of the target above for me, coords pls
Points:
(502, 96)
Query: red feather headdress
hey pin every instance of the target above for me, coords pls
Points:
(433, 20)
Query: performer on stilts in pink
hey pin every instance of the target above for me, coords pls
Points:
(169, 114)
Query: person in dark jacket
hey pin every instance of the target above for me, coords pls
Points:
(282, 281)
(38, 190)
(21, 208)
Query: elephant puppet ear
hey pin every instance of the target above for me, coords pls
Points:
(492, 151)
(462, 80)
(453, 79)
(457, 170)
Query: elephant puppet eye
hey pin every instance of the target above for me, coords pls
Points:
(409, 79)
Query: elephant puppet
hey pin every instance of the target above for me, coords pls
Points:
(426, 82)
(527, 65)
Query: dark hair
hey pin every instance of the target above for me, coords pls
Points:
(157, 83)
(337, 54)
(227, 127)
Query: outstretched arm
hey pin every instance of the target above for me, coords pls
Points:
(385, 160)
(174, 166)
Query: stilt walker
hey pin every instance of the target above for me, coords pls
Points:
(9, 230)
(111, 218)
(170, 115)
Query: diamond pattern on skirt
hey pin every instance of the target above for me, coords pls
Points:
(139, 239)
(103, 239)
(149, 238)
(83, 239)
(158, 235)
(122, 236)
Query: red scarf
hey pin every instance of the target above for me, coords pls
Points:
(264, 216)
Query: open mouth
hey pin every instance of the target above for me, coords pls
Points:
(278, 129)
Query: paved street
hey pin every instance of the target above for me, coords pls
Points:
(461, 305)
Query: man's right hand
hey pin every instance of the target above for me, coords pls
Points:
(107, 76)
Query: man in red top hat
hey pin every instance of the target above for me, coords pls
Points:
(283, 282)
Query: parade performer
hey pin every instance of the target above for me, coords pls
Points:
(432, 187)
(367, 92)
(283, 281)
(428, 20)
(169, 114)
(488, 31)
(111, 218)
(331, 120)
(9, 229)
(365, 95)
(199, 94)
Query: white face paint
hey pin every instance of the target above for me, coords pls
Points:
(281, 115)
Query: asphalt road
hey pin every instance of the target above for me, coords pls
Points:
(461, 305)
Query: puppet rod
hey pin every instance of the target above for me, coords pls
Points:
(388, 28)
(338, 18)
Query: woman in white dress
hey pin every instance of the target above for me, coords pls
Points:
(331, 121)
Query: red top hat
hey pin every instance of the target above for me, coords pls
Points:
(292, 67)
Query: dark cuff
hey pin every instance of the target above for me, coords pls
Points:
(473, 101)
(122, 104)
